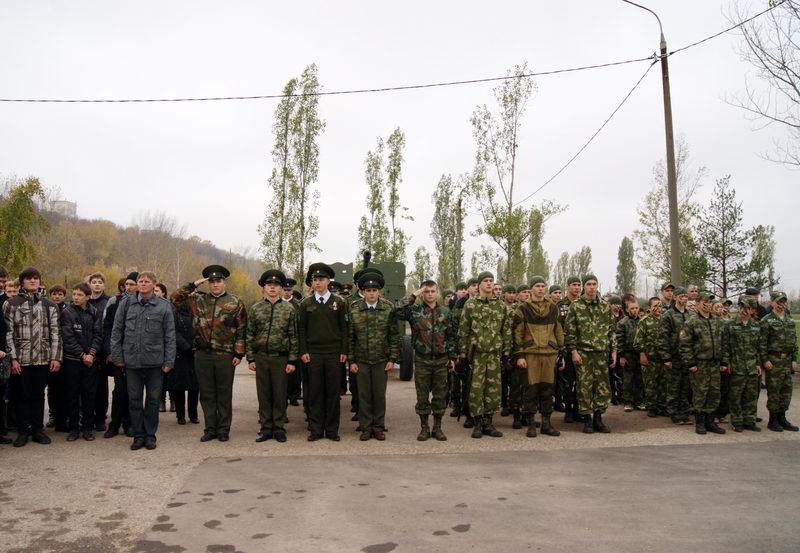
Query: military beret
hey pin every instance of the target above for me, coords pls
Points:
(613, 299)
(471, 281)
(705, 295)
(753, 291)
(272, 276)
(334, 286)
(522, 288)
(680, 291)
(370, 280)
(777, 296)
(461, 286)
(484, 275)
(536, 279)
(587, 278)
(509, 289)
(134, 276)
(319, 270)
(554, 288)
(216, 272)
(748, 301)
(573, 279)
(667, 285)
(289, 283)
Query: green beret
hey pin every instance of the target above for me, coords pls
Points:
(461, 286)
(777, 296)
(484, 275)
(705, 295)
(615, 300)
(554, 288)
(472, 281)
(509, 289)
(587, 278)
(537, 280)
(573, 279)
(522, 288)
(680, 291)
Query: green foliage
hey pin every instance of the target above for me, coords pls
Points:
(21, 222)
(561, 270)
(626, 267)
(580, 263)
(447, 229)
(761, 268)
(423, 268)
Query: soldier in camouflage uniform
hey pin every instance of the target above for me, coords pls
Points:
(294, 389)
(484, 335)
(589, 338)
(566, 394)
(721, 309)
(454, 399)
(676, 375)
(538, 339)
(743, 359)
(628, 357)
(615, 369)
(510, 396)
(701, 346)
(272, 351)
(463, 374)
(779, 359)
(433, 338)
(219, 320)
(523, 293)
(649, 342)
(374, 346)
(555, 293)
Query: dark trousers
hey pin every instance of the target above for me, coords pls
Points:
(120, 411)
(294, 384)
(3, 407)
(215, 383)
(57, 397)
(27, 389)
(100, 409)
(372, 379)
(81, 389)
(144, 408)
(271, 383)
(180, 399)
(352, 381)
(324, 383)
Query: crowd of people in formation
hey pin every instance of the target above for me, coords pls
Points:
(483, 349)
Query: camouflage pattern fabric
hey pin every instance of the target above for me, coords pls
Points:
(484, 327)
(589, 326)
(779, 346)
(705, 384)
(484, 386)
(594, 392)
(272, 330)
(219, 322)
(702, 345)
(430, 381)
(433, 333)
(743, 398)
(677, 377)
(374, 333)
(779, 385)
(650, 341)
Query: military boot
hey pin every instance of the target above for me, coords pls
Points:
(469, 422)
(785, 424)
(700, 423)
(489, 429)
(547, 428)
(752, 427)
(531, 433)
(517, 424)
(437, 429)
(588, 428)
(774, 424)
(424, 431)
(476, 428)
(598, 424)
(711, 424)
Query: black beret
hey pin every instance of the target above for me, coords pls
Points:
(272, 276)
(213, 272)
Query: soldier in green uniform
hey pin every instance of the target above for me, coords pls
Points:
(523, 293)
(433, 337)
(555, 293)
(779, 359)
(614, 369)
(628, 357)
(219, 320)
(294, 389)
(453, 399)
(537, 340)
(701, 346)
(272, 353)
(566, 394)
(676, 375)
(484, 335)
(374, 346)
(743, 359)
(463, 374)
(721, 309)
(508, 379)
(590, 337)
(649, 342)
(667, 295)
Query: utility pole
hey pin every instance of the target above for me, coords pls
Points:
(676, 272)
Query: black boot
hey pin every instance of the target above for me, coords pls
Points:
(547, 428)
(489, 429)
(476, 428)
(531, 433)
(588, 428)
(774, 424)
(469, 422)
(700, 423)
(785, 424)
(569, 416)
(425, 431)
(504, 412)
(437, 428)
(598, 424)
(517, 424)
(711, 424)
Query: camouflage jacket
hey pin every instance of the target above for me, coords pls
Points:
(220, 323)
(779, 337)
(433, 333)
(590, 326)
(484, 327)
(626, 333)
(272, 329)
(743, 351)
(374, 333)
(458, 308)
(673, 320)
(536, 328)
(650, 337)
(702, 339)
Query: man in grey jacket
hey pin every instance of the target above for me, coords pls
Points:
(143, 342)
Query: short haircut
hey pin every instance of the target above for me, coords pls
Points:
(627, 298)
(149, 275)
(161, 286)
(93, 276)
(59, 288)
(12, 284)
(29, 272)
(121, 284)
(82, 286)
(652, 299)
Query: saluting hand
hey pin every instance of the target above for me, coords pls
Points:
(200, 281)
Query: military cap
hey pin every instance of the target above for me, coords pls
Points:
(537, 280)
(613, 299)
(472, 280)
(461, 286)
(509, 289)
(347, 286)
(753, 291)
(319, 270)
(216, 272)
(554, 288)
(134, 276)
(705, 295)
(334, 286)
(358, 274)
(573, 279)
(289, 283)
(680, 291)
(522, 288)
(370, 280)
(667, 285)
(748, 301)
(484, 275)
(726, 302)
(587, 278)
(777, 296)
(272, 276)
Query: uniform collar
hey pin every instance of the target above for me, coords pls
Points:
(324, 297)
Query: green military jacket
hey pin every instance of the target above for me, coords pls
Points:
(626, 333)
(779, 337)
(743, 351)
(374, 333)
(219, 322)
(563, 308)
(485, 327)
(536, 328)
(702, 339)
(433, 333)
(673, 320)
(590, 326)
(272, 329)
(650, 337)
(293, 302)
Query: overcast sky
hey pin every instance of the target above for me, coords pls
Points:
(207, 163)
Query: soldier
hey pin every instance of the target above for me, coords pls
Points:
(566, 394)
(523, 293)
(676, 375)
(461, 378)
(447, 296)
(614, 369)
(347, 290)
(460, 292)
(667, 293)
(538, 338)
(433, 338)
(649, 342)
(484, 335)
(272, 353)
(722, 310)
(692, 291)
(632, 381)
(374, 346)
(295, 382)
(755, 293)
(497, 289)
(510, 296)
(743, 359)
(323, 345)
(589, 338)
(555, 293)
(701, 348)
(219, 320)
(779, 359)
(509, 384)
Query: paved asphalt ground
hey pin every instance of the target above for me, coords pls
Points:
(648, 486)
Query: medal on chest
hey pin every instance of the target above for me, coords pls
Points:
(335, 306)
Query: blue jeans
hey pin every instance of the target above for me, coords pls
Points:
(144, 420)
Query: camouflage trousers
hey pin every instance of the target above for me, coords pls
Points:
(779, 385)
(430, 380)
(743, 398)
(655, 389)
(593, 390)
(484, 391)
(677, 380)
(538, 382)
(632, 381)
(705, 386)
